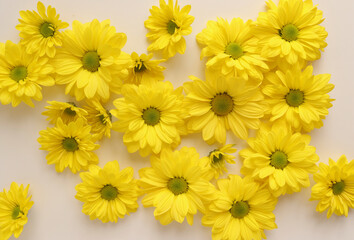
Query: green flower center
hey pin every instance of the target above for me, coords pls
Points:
(18, 73)
(289, 32)
(102, 117)
(177, 185)
(70, 112)
(151, 116)
(70, 144)
(140, 67)
(217, 159)
(109, 192)
(234, 50)
(295, 98)
(240, 209)
(91, 61)
(338, 187)
(279, 160)
(171, 27)
(222, 104)
(16, 212)
(47, 29)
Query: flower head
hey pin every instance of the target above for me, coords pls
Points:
(22, 75)
(167, 25)
(242, 210)
(69, 145)
(334, 187)
(40, 30)
(15, 205)
(67, 111)
(108, 193)
(176, 185)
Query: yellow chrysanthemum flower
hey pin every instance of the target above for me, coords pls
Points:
(176, 185)
(69, 145)
(291, 31)
(100, 120)
(91, 69)
(221, 103)
(22, 75)
(299, 98)
(151, 117)
(67, 111)
(144, 70)
(282, 160)
(40, 30)
(334, 187)
(166, 26)
(242, 210)
(14, 207)
(108, 193)
(215, 161)
(231, 49)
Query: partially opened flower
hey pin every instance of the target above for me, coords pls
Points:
(40, 30)
(90, 62)
(176, 186)
(22, 75)
(144, 70)
(167, 25)
(108, 193)
(280, 159)
(231, 49)
(291, 31)
(242, 210)
(14, 207)
(69, 146)
(67, 111)
(334, 188)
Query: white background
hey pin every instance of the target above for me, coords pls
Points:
(57, 215)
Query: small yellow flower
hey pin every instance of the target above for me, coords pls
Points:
(167, 25)
(40, 30)
(334, 187)
(14, 207)
(67, 111)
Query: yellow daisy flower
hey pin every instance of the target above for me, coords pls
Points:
(69, 145)
(242, 210)
(215, 161)
(108, 193)
(299, 98)
(22, 75)
(100, 120)
(291, 31)
(91, 69)
(67, 111)
(221, 103)
(334, 187)
(232, 49)
(15, 205)
(166, 26)
(175, 185)
(40, 30)
(144, 70)
(151, 117)
(282, 160)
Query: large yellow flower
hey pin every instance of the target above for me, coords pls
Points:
(69, 145)
(175, 185)
(40, 31)
(167, 25)
(299, 98)
(90, 62)
(22, 74)
(14, 207)
(242, 210)
(334, 187)
(67, 111)
(221, 103)
(108, 193)
(282, 160)
(291, 31)
(232, 49)
(151, 117)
